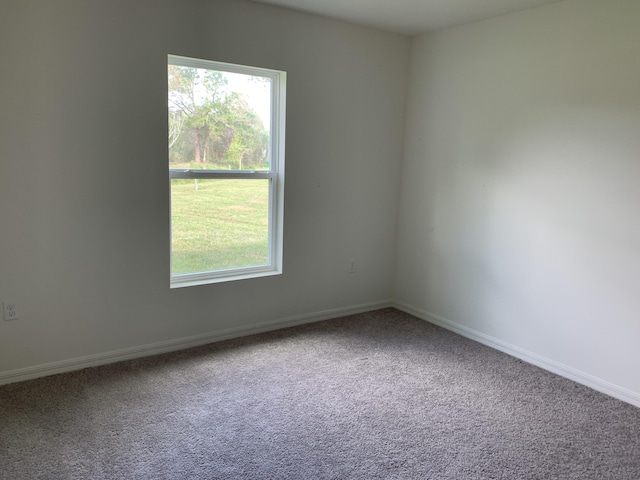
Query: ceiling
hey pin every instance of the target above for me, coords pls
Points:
(409, 17)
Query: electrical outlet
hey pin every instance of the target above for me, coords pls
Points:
(10, 310)
(353, 267)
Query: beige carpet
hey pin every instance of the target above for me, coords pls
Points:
(376, 395)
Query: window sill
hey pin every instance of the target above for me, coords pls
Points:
(191, 280)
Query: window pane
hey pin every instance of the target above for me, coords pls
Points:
(218, 224)
(218, 120)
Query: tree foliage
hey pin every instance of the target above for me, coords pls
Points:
(210, 126)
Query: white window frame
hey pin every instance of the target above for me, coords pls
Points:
(275, 175)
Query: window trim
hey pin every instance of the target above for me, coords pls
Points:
(275, 175)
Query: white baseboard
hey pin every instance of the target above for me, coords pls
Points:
(71, 364)
(566, 371)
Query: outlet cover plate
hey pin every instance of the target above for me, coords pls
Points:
(10, 308)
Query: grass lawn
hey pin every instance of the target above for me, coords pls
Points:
(223, 223)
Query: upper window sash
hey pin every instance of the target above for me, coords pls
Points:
(278, 98)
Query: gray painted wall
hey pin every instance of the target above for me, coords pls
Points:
(84, 199)
(520, 194)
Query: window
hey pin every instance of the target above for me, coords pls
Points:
(226, 169)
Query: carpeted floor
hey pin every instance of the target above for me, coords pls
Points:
(376, 395)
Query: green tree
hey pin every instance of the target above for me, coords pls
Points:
(194, 97)
(249, 141)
